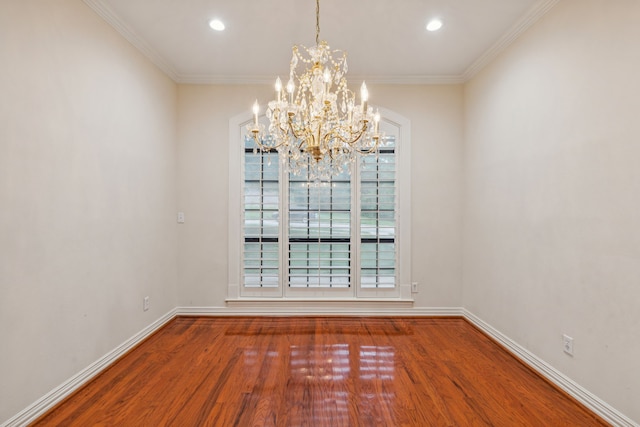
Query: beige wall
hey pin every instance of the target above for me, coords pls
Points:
(538, 154)
(435, 113)
(87, 194)
(552, 205)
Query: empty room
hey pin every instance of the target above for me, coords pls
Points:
(319, 212)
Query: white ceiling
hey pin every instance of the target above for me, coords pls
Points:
(386, 40)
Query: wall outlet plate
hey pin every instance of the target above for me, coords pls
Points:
(145, 304)
(567, 344)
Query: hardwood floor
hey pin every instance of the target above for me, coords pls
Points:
(320, 371)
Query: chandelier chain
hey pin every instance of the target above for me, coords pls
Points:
(317, 22)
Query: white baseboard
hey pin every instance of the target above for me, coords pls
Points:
(305, 308)
(572, 388)
(55, 396)
(582, 395)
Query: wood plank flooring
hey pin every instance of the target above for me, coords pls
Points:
(318, 371)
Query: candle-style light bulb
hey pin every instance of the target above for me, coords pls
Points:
(364, 93)
(364, 97)
(291, 87)
(326, 75)
(256, 110)
(279, 88)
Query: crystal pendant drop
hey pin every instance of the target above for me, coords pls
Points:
(317, 86)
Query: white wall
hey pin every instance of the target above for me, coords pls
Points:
(87, 194)
(436, 118)
(552, 195)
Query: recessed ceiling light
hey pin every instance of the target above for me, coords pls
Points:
(434, 25)
(216, 24)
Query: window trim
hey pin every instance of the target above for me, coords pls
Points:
(403, 236)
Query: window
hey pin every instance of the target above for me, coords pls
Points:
(340, 238)
(319, 232)
(378, 218)
(261, 222)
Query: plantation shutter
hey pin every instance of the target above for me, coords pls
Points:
(378, 219)
(260, 218)
(319, 232)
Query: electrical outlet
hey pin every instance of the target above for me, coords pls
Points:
(180, 217)
(567, 344)
(145, 304)
(414, 287)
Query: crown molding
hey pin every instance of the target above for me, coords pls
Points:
(204, 79)
(413, 80)
(531, 17)
(210, 79)
(131, 36)
(106, 13)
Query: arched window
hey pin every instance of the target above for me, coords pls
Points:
(347, 237)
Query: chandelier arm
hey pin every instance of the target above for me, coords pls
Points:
(294, 133)
(264, 147)
(285, 131)
(284, 141)
(369, 151)
(355, 138)
(255, 134)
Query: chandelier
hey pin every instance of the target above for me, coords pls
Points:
(315, 124)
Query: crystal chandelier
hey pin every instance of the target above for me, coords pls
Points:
(314, 122)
